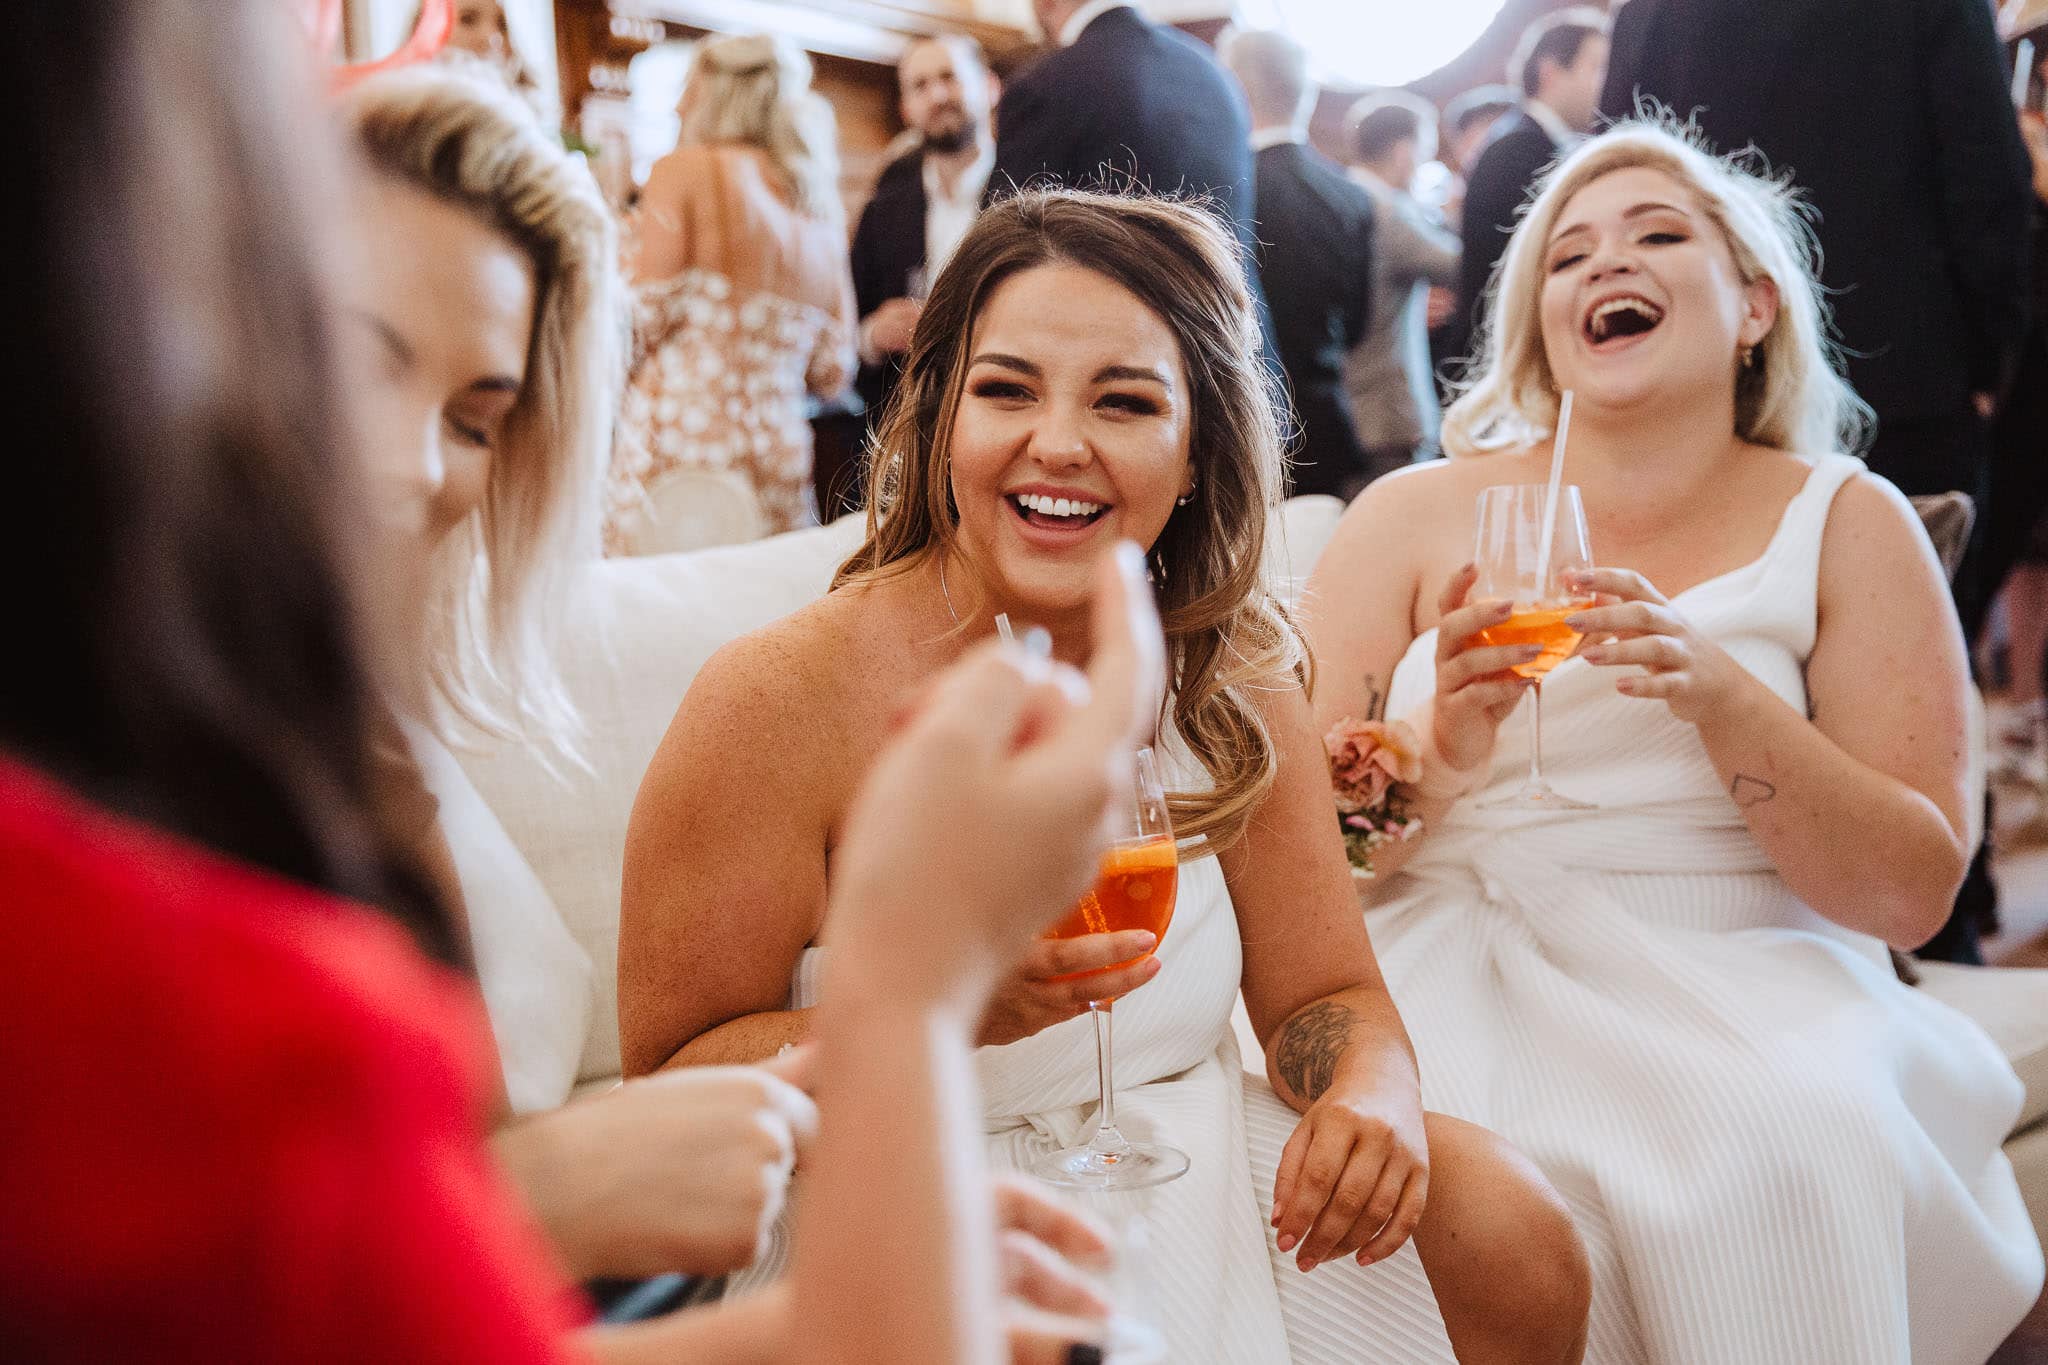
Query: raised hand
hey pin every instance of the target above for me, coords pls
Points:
(1474, 689)
(889, 326)
(1634, 625)
(1044, 989)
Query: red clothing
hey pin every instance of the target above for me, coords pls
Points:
(241, 1121)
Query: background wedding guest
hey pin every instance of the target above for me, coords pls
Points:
(1315, 258)
(1387, 378)
(744, 303)
(2016, 509)
(1899, 128)
(1121, 102)
(1469, 119)
(923, 203)
(1558, 67)
(483, 31)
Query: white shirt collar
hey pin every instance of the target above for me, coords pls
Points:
(973, 180)
(948, 216)
(1277, 136)
(1086, 15)
(1547, 118)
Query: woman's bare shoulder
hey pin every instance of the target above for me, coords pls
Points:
(786, 671)
(1872, 524)
(1409, 508)
(1443, 482)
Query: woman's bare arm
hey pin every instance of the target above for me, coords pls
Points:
(725, 866)
(1861, 808)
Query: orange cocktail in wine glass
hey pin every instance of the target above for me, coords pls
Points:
(1134, 889)
(1527, 563)
(1539, 625)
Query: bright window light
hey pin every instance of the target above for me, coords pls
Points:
(1360, 43)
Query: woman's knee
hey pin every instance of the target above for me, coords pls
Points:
(1499, 1241)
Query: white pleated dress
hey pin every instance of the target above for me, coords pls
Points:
(1774, 1150)
(1207, 1274)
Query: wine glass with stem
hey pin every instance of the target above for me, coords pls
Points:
(1134, 889)
(1519, 562)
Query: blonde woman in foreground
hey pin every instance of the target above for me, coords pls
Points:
(1679, 1003)
(486, 302)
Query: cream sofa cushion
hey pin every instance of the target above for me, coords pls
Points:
(2010, 1004)
(639, 630)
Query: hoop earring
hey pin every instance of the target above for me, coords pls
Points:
(1184, 499)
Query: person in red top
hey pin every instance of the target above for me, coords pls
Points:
(243, 1112)
(247, 1074)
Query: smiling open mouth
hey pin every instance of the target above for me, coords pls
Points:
(1621, 319)
(1055, 514)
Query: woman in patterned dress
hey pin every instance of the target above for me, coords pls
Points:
(743, 295)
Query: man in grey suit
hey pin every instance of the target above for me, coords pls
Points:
(1387, 378)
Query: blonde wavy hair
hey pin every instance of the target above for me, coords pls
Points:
(1793, 397)
(502, 577)
(755, 90)
(1227, 637)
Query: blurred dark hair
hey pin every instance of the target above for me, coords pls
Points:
(1380, 122)
(1481, 102)
(185, 648)
(1555, 38)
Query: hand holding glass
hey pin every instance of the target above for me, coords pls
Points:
(1134, 889)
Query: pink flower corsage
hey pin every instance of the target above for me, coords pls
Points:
(1367, 759)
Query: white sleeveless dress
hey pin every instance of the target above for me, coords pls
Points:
(1209, 1276)
(1774, 1150)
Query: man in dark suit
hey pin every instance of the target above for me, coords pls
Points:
(1893, 116)
(1122, 101)
(1315, 256)
(1558, 66)
(923, 203)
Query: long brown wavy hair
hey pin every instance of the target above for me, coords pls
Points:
(1227, 637)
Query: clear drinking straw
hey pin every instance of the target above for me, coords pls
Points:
(1550, 497)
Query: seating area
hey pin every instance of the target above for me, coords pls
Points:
(644, 626)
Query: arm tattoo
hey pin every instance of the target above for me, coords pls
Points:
(1375, 700)
(1750, 791)
(1306, 1052)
